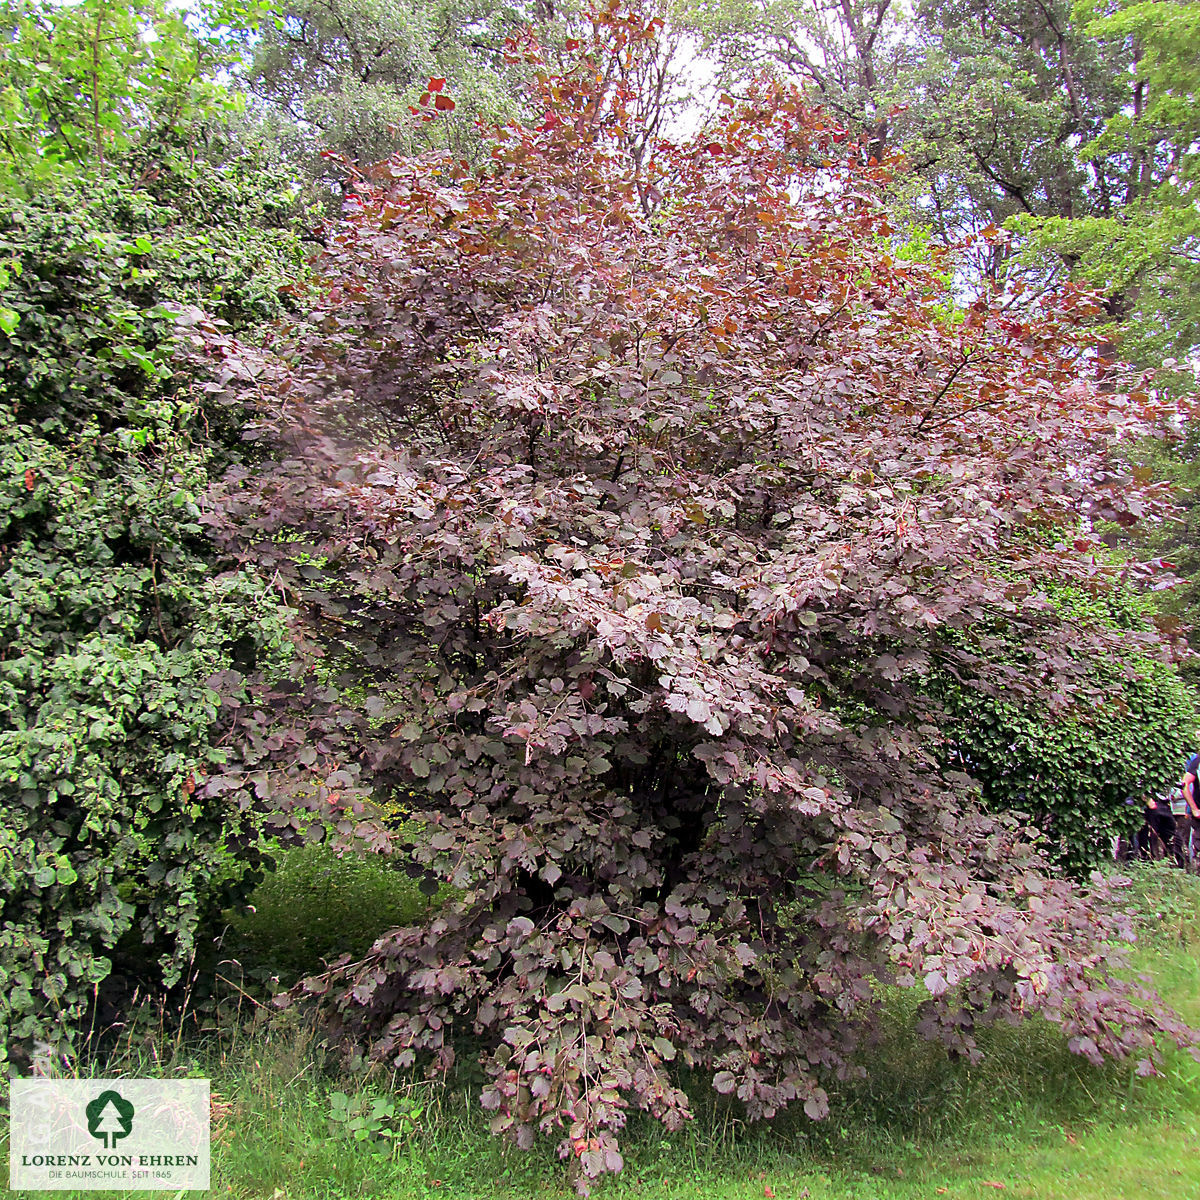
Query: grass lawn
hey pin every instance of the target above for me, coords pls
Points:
(1032, 1121)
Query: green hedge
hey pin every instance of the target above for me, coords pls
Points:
(120, 636)
(1128, 732)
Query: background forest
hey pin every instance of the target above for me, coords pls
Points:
(691, 507)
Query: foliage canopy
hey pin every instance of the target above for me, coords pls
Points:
(347, 76)
(1073, 124)
(1074, 771)
(103, 82)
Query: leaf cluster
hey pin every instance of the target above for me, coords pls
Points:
(98, 83)
(1075, 769)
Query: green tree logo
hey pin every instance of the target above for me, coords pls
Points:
(109, 1117)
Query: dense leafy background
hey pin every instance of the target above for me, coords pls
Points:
(1074, 771)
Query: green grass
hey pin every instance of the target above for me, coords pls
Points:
(316, 906)
(1032, 1117)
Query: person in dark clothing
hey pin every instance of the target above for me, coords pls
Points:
(1161, 820)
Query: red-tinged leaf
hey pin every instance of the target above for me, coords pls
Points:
(424, 98)
(30, 478)
(715, 148)
(436, 85)
(443, 103)
(936, 983)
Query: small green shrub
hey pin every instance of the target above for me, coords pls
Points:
(317, 906)
(381, 1121)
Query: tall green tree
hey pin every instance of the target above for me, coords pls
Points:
(348, 75)
(97, 83)
(1140, 244)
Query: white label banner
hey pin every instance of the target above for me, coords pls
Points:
(111, 1134)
